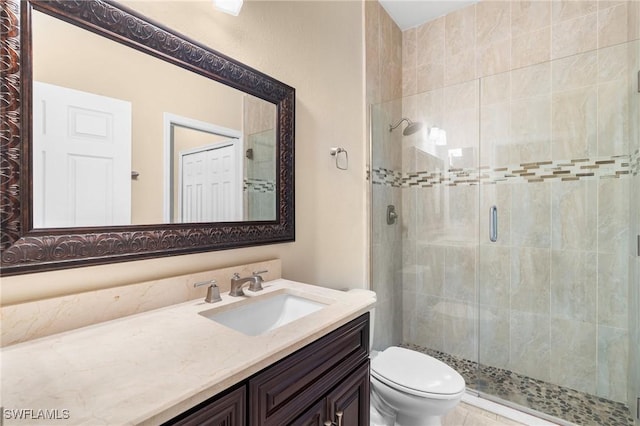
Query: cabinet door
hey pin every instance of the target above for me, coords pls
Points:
(314, 416)
(228, 410)
(281, 393)
(351, 397)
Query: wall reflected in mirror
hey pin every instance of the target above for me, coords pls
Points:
(100, 150)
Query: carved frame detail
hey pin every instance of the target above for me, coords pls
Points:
(25, 249)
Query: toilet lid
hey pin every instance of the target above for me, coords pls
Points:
(416, 372)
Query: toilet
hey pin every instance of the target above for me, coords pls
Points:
(417, 388)
(409, 388)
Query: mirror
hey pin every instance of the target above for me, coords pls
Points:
(187, 106)
(96, 132)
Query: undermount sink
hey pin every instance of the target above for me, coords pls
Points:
(259, 315)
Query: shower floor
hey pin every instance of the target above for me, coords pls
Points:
(557, 401)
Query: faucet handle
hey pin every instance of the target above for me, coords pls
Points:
(201, 283)
(236, 276)
(213, 292)
(256, 285)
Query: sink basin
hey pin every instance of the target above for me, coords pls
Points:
(264, 314)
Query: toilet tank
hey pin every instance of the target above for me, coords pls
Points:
(372, 312)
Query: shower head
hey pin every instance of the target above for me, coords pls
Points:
(410, 129)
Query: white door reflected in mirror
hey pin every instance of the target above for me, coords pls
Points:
(203, 171)
(81, 158)
(217, 174)
(210, 187)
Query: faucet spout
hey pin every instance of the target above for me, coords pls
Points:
(255, 283)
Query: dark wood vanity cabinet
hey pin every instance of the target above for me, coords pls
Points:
(350, 398)
(290, 391)
(309, 387)
(226, 409)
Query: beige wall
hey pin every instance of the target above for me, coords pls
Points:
(316, 47)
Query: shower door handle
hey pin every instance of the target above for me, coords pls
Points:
(493, 224)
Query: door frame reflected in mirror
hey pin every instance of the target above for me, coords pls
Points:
(171, 155)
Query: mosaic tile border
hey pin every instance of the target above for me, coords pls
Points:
(635, 163)
(556, 401)
(388, 177)
(259, 185)
(541, 171)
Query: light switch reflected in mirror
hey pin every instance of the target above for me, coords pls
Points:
(94, 124)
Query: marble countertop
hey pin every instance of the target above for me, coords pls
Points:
(148, 368)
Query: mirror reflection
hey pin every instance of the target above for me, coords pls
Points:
(123, 138)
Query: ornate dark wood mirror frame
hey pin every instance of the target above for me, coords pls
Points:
(25, 249)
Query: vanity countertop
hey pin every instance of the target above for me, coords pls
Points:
(148, 368)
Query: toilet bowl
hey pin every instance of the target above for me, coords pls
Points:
(417, 388)
(409, 388)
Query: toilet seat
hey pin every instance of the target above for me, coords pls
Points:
(416, 374)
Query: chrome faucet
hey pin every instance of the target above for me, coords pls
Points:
(255, 283)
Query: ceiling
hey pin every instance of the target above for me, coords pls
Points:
(411, 13)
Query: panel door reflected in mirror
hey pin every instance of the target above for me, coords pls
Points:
(91, 136)
(117, 179)
(208, 183)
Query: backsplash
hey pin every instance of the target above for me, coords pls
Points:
(31, 320)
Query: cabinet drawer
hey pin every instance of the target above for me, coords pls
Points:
(282, 392)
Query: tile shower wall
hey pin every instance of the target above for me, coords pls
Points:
(634, 249)
(384, 83)
(259, 186)
(634, 319)
(539, 95)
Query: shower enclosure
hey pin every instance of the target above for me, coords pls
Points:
(516, 250)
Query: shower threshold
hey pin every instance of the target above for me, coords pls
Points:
(531, 394)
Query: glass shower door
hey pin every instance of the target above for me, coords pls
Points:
(556, 176)
(424, 264)
(634, 219)
(544, 305)
(385, 176)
